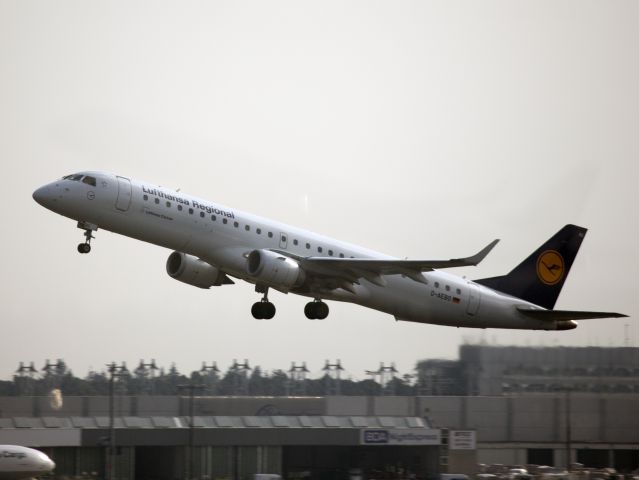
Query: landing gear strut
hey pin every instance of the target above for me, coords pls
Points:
(316, 310)
(263, 310)
(88, 228)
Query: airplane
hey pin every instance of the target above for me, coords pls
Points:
(17, 462)
(213, 243)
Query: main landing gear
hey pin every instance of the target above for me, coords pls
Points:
(263, 310)
(88, 228)
(316, 310)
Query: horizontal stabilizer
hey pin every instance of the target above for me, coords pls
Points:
(563, 315)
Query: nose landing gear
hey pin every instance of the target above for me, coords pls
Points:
(263, 310)
(88, 228)
(316, 310)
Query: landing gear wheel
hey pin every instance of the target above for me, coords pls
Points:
(309, 310)
(88, 228)
(316, 310)
(321, 310)
(263, 310)
(269, 310)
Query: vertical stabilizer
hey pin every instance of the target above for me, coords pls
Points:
(540, 277)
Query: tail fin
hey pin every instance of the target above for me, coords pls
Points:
(540, 277)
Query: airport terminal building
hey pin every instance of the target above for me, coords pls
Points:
(323, 437)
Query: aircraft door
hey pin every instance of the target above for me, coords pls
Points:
(474, 298)
(123, 201)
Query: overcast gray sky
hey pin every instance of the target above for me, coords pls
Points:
(419, 129)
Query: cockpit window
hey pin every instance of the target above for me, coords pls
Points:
(76, 177)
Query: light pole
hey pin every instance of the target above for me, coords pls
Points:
(115, 371)
(189, 464)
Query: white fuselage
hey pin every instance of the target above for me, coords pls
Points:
(17, 462)
(223, 236)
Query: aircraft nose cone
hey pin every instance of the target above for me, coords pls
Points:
(50, 465)
(42, 195)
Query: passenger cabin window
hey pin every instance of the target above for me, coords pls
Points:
(236, 224)
(157, 201)
(213, 218)
(295, 242)
(202, 214)
(341, 255)
(179, 207)
(168, 204)
(190, 211)
(146, 197)
(330, 252)
(436, 284)
(448, 288)
(283, 238)
(308, 245)
(458, 291)
(258, 231)
(319, 249)
(247, 228)
(270, 234)
(225, 221)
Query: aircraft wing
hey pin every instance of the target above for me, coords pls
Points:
(562, 315)
(353, 269)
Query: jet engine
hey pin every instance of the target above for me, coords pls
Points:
(565, 325)
(274, 270)
(192, 270)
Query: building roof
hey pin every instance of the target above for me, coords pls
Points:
(163, 422)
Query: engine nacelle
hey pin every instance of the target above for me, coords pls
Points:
(274, 270)
(565, 325)
(192, 270)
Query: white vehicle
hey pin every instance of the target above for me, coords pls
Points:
(18, 462)
(213, 243)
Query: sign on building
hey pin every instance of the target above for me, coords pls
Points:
(399, 436)
(462, 440)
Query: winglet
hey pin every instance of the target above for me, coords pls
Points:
(478, 257)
